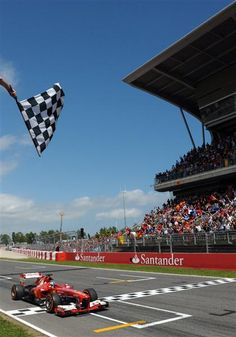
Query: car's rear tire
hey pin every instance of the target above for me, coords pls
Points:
(17, 292)
(92, 294)
(52, 301)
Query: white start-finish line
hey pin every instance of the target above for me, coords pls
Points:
(46, 333)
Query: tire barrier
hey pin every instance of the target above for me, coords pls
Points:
(36, 254)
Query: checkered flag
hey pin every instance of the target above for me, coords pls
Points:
(40, 114)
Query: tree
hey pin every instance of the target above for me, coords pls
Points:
(106, 231)
(13, 237)
(19, 237)
(30, 237)
(52, 236)
(5, 239)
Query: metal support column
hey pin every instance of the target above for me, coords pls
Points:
(203, 136)
(187, 127)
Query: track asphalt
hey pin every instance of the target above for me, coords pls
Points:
(141, 304)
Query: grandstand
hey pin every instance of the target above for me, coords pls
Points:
(198, 75)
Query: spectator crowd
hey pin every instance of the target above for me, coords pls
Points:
(206, 213)
(220, 153)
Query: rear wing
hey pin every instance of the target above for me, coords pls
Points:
(25, 276)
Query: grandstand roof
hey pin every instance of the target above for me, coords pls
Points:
(175, 74)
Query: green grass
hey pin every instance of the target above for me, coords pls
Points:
(155, 269)
(9, 329)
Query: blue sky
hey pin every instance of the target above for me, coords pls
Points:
(110, 137)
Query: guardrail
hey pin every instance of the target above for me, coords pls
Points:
(204, 242)
(222, 241)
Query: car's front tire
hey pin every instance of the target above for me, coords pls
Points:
(52, 301)
(92, 294)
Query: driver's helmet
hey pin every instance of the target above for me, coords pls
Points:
(52, 283)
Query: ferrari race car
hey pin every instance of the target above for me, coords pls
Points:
(61, 299)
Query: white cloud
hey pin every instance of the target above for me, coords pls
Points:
(9, 144)
(11, 205)
(24, 140)
(82, 202)
(139, 197)
(92, 212)
(7, 166)
(6, 142)
(119, 214)
(8, 71)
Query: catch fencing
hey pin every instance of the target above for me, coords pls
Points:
(222, 241)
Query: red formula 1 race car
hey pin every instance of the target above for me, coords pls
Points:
(61, 299)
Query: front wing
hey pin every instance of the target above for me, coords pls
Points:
(71, 309)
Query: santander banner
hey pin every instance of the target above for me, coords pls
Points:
(226, 261)
(178, 260)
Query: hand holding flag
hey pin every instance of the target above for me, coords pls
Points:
(8, 87)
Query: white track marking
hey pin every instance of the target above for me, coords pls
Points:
(5, 277)
(179, 315)
(138, 326)
(29, 268)
(108, 278)
(138, 278)
(46, 333)
(108, 318)
(142, 279)
(153, 308)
